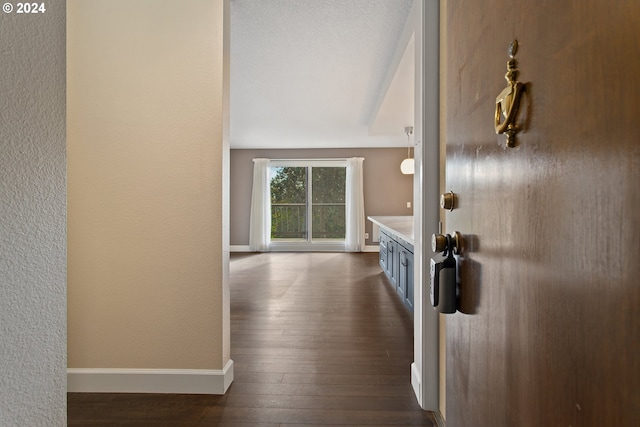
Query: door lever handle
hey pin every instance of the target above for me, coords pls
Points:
(508, 101)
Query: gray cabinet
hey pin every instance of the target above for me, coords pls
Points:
(383, 251)
(392, 261)
(396, 260)
(405, 275)
(388, 256)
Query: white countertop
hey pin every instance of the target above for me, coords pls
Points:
(401, 226)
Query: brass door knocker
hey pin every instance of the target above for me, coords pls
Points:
(508, 102)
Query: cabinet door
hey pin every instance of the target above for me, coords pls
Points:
(405, 277)
(402, 273)
(407, 270)
(392, 261)
(383, 251)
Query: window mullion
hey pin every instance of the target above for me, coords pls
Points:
(309, 205)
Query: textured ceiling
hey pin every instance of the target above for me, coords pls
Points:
(311, 73)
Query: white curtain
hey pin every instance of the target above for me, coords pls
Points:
(354, 215)
(260, 222)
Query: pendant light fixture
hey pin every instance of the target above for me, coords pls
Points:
(407, 166)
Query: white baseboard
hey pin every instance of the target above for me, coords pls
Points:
(246, 248)
(187, 381)
(415, 381)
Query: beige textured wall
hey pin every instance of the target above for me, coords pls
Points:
(145, 184)
(386, 189)
(33, 267)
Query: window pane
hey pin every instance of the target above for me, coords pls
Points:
(328, 207)
(288, 185)
(328, 184)
(328, 222)
(289, 203)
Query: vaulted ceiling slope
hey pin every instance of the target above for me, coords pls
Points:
(311, 73)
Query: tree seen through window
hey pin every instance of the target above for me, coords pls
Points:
(294, 189)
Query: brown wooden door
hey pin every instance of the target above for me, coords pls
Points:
(549, 328)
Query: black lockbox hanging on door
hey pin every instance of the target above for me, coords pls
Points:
(443, 279)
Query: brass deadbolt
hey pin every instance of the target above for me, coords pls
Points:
(448, 201)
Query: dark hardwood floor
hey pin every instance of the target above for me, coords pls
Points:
(318, 339)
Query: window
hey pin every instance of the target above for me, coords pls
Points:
(307, 203)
